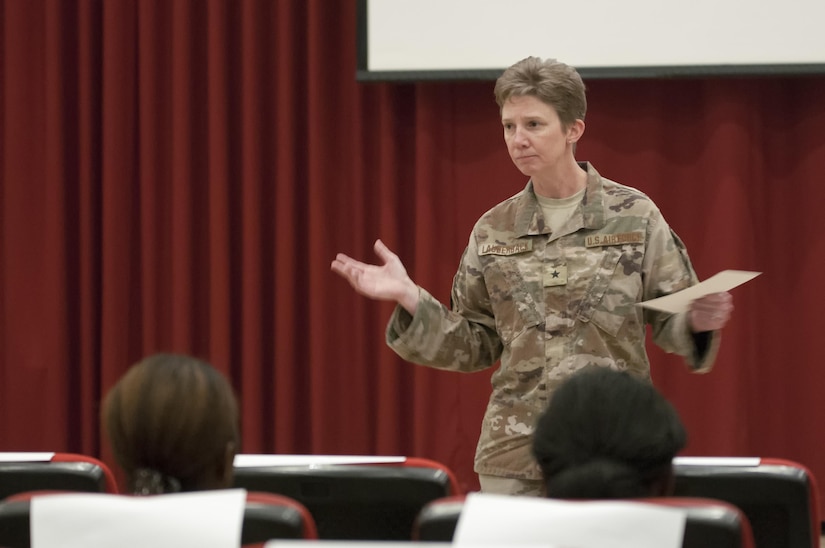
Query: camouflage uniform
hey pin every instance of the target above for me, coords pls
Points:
(548, 304)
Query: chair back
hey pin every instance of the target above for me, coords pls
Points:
(370, 501)
(266, 517)
(778, 496)
(14, 524)
(708, 523)
(437, 520)
(21, 472)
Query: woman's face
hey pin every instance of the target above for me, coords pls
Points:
(535, 138)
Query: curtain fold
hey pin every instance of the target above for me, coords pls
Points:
(178, 176)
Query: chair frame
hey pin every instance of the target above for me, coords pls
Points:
(341, 509)
(720, 478)
(262, 511)
(71, 470)
(439, 518)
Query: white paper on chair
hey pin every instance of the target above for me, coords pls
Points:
(251, 460)
(718, 461)
(278, 543)
(680, 301)
(496, 519)
(26, 457)
(206, 519)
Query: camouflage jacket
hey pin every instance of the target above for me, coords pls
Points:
(546, 305)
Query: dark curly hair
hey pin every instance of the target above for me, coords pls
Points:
(607, 434)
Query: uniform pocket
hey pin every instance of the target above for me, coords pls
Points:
(614, 290)
(513, 297)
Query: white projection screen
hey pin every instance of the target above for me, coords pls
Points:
(477, 39)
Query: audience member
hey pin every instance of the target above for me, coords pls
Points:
(172, 422)
(607, 434)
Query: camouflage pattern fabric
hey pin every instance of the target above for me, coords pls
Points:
(546, 305)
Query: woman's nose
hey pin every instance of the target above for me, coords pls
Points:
(520, 137)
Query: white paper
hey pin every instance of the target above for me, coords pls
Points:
(357, 544)
(680, 301)
(26, 457)
(487, 519)
(718, 461)
(206, 519)
(248, 460)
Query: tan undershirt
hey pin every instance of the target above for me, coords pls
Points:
(557, 211)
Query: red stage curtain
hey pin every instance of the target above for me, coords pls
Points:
(177, 176)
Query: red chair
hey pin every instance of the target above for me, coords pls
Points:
(779, 496)
(428, 464)
(20, 472)
(708, 524)
(369, 500)
(438, 519)
(266, 517)
(711, 523)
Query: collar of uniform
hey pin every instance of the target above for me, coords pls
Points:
(592, 206)
(529, 219)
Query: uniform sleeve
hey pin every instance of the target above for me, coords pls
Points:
(667, 269)
(463, 338)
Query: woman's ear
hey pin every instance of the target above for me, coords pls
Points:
(575, 131)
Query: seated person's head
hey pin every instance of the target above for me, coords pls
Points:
(607, 434)
(172, 422)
